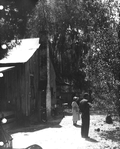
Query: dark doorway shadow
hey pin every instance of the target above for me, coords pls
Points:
(91, 140)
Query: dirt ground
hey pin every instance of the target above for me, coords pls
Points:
(107, 135)
(103, 135)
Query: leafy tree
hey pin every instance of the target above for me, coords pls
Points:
(103, 64)
(84, 42)
(13, 18)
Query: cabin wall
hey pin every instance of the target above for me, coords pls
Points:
(21, 87)
(33, 75)
(15, 89)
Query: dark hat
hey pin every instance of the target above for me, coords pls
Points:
(86, 95)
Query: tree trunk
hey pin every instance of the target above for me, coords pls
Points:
(48, 90)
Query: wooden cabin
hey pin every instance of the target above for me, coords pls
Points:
(23, 85)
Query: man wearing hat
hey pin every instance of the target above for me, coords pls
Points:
(85, 115)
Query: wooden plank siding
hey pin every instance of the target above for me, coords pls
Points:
(33, 82)
(15, 89)
(21, 86)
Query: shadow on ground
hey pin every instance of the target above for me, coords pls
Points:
(53, 123)
(91, 140)
(78, 126)
(113, 135)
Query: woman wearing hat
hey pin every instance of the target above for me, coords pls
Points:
(75, 111)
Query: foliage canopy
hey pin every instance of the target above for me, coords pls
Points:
(84, 43)
(13, 19)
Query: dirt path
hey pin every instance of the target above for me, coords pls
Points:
(61, 134)
(103, 135)
(107, 135)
